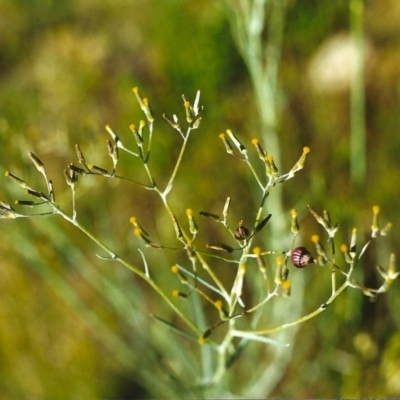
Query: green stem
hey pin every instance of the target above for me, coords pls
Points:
(311, 315)
(177, 165)
(358, 164)
(131, 267)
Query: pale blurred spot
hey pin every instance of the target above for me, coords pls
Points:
(330, 67)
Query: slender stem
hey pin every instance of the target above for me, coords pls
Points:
(177, 164)
(254, 174)
(306, 317)
(73, 203)
(358, 164)
(151, 129)
(131, 267)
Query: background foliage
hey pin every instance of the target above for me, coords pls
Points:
(67, 69)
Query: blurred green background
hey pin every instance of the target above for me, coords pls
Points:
(73, 326)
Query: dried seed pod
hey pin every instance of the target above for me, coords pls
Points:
(301, 257)
(220, 247)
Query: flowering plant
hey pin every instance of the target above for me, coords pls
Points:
(236, 300)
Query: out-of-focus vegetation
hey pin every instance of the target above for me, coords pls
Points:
(71, 325)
